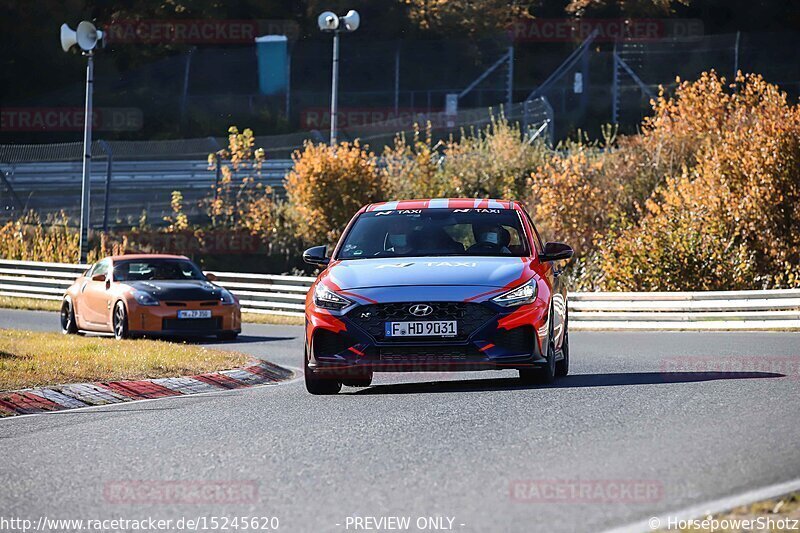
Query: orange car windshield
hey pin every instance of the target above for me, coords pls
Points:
(156, 269)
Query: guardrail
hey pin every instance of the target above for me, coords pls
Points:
(285, 295)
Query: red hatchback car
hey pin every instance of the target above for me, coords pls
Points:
(442, 284)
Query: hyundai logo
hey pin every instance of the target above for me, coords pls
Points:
(420, 310)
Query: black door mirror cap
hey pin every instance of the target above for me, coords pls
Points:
(316, 256)
(556, 251)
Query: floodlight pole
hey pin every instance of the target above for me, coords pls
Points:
(331, 22)
(87, 160)
(335, 86)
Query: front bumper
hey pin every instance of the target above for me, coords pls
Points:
(490, 338)
(163, 319)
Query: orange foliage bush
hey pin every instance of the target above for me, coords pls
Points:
(412, 167)
(239, 201)
(54, 240)
(492, 162)
(573, 195)
(730, 219)
(28, 239)
(328, 184)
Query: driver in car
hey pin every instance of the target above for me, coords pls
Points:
(490, 238)
(398, 238)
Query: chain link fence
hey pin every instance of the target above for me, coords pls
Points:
(130, 181)
(133, 181)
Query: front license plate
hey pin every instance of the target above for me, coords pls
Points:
(427, 328)
(195, 313)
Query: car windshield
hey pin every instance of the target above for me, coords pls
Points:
(156, 269)
(435, 232)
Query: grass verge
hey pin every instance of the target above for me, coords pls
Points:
(258, 318)
(782, 509)
(12, 302)
(34, 359)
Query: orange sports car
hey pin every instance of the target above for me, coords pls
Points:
(149, 294)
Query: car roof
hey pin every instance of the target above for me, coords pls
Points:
(442, 203)
(127, 257)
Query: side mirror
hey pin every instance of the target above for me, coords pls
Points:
(211, 277)
(99, 277)
(555, 251)
(316, 256)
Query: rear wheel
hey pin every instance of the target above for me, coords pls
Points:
(120, 321)
(316, 384)
(68, 324)
(562, 366)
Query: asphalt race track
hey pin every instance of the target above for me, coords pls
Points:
(692, 417)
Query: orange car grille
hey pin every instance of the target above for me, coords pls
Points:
(192, 324)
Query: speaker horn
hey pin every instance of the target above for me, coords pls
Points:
(352, 20)
(328, 21)
(87, 36)
(69, 37)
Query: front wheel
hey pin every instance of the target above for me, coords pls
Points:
(364, 380)
(316, 384)
(68, 324)
(120, 321)
(545, 374)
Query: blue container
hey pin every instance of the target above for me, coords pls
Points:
(273, 63)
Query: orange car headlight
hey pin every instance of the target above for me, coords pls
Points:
(145, 298)
(227, 298)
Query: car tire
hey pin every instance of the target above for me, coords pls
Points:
(68, 324)
(562, 366)
(545, 374)
(119, 321)
(227, 335)
(358, 381)
(321, 385)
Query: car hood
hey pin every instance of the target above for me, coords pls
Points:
(178, 289)
(428, 271)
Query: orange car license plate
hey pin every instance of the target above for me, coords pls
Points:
(194, 313)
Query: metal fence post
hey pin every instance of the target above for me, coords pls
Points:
(217, 175)
(510, 89)
(397, 77)
(107, 195)
(615, 88)
(4, 177)
(185, 92)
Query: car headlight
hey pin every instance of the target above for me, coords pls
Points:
(524, 294)
(145, 298)
(327, 299)
(226, 298)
